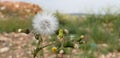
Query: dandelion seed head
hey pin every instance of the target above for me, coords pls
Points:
(45, 23)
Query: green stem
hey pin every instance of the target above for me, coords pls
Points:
(37, 48)
(70, 52)
(56, 55)
(40, 48)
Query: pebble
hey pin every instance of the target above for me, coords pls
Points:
(5, 49)
(2, 38)
(102, 56)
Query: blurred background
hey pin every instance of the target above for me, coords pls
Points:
(96, 20)
(76, 6)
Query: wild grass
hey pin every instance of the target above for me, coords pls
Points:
(12, 24)
(97, 29)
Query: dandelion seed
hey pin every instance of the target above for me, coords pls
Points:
(45, 23)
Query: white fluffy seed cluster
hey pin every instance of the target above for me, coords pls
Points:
(45, 23)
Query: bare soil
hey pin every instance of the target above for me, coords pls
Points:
(19, 45)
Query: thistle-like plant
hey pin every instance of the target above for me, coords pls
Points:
(44, 24)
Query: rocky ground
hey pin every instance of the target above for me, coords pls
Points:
(15, 45)
(19, 45)
(14, 8)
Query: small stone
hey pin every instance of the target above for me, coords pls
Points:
(5, 49)
(3, 8)
(10, 57)
(113, 55)
(102, 56)
(2, 38)
(23, 34)
(17, 5)
(109, 55)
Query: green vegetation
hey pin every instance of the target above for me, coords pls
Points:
(12, 24)
(97, 29)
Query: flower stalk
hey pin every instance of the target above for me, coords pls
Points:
(44, 43)
(40, 48)
(45, 24)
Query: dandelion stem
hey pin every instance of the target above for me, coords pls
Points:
(43, 44)
(39, 48)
